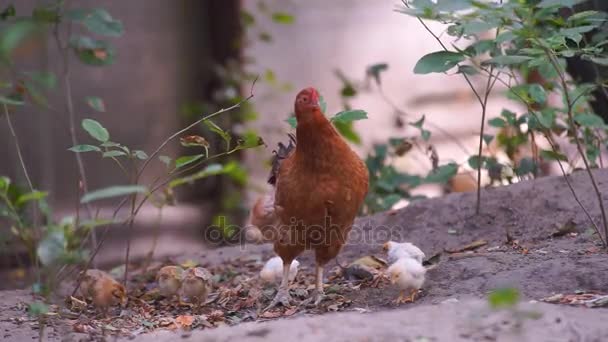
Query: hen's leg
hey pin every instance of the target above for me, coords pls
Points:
(282, 295)
(319, 292)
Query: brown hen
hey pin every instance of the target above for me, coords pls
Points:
(320, 186)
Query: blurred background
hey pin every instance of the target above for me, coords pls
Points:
(171, 62)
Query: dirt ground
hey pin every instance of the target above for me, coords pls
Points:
(531, 236)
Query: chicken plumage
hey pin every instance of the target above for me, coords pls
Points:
(272, 272)
(102, 289)
(401, 250)
(320, 186)
(408, 274)
(169, 280)
(196, 285)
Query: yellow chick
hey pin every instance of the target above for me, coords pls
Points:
(169, 280)
(401, 250)
(272, 272)
(196, 285)
(103, 290)
(407, 274)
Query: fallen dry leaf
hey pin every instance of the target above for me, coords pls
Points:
(272, 314)
(290, 311)
(184, 321)
(470, 247)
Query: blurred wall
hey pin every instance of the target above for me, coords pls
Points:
(350, 35)
(165, 60)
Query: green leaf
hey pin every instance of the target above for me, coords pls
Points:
(475, 162)
(216, 129)
(7, 12)
(322, 104)
(52, 247)
(419, 123)
(84, 148)
(453, 5)
(443, 174)
(113, 191)
(503, 298)
(537, 93)
(283, 18)
(37, 309)
(15, 34)
(99, 21)
(292, 121)
(497, 122)
(347, 131)
(96, 103)
(95, 130)
(526, 166)
(186, 160)
(589, 120)
(508, 60)
(599, 60)
(559, 3)
(374, 71)
(349, 115)
(547, 117)
(44, 79)
(5, 182)
(552, 155)
(210, 170)
(467, 70)
(11, 101)
(487, 138)
(93, 52)
(113, 154)
(440, 61)
(139, 154)
(166, 160)
(31, 196)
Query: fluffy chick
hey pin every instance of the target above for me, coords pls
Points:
(103, 290)
(196, 285)
(407, 274)
(169, 280)
(401, 250)
(272, 272)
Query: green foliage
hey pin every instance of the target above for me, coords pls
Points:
(440, 61)
(503, 298)
(113, 191)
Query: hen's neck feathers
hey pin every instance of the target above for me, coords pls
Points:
(316, 138)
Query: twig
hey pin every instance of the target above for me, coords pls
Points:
(576, 140)
(194, 124)
(31, 186)
(140, 205)
(484, 107)
(564, 173)
(64, 50)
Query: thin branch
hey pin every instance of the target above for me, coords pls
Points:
(466, 77)
(401, 112)
(194, 124)
(65, 54)
(484, 107)
(569, 103)
(31, 186)
(131, 218)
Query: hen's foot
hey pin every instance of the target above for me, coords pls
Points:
(282, 297)
(319, 297)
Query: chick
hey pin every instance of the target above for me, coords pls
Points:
(407, 274)
(400, 250)
(272, 272)
(196, 285)
(103, 290)
(169, 280)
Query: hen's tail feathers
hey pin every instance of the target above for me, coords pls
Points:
(280, 154)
